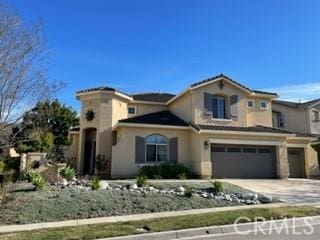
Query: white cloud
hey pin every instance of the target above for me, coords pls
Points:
(298, 92)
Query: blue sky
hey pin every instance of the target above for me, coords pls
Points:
(165, 45)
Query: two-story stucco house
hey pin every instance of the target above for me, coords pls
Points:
(300, 117)
(217, 128)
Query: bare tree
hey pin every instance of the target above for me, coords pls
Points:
(23, 67)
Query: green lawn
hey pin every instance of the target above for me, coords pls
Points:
(156, 225)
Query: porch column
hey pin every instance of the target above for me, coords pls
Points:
(80, 152)
(282, 161)
(205, 161)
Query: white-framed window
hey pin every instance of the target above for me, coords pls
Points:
(250, 103)
(316, 116)
(218, 107)
(263, 104)
(156, 148)
(132, 110)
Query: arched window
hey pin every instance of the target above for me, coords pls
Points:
(156, 148)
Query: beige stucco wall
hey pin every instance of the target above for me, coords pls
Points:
(312, 163)
(143, 108)
(73, 149)
(123, 153)
(182, 107)
(246, 116)
(313, 126)
(294, 119)
(258, 116)
(102, 104)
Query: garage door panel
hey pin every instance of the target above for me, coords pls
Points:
(231, 161)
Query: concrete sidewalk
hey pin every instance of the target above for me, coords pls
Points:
(137, 217)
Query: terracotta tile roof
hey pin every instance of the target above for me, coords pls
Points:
(159, 118)
(153, 97)
(103, 88)
(240, 85)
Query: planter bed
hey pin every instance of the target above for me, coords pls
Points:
(65, 202)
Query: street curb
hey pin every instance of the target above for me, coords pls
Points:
(221, 230)
(136, 217)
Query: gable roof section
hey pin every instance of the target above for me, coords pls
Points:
(153, 97)
(297, 105)
(212, 79)
(157, 118)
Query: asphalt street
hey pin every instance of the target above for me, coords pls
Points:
(299, 233)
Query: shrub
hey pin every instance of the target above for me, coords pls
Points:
(36, 179)
(189, 192)
(38, 182)
(141, 180)
(31, 174)
(11, 163)
(182, 176)
(217, 187)
(165, 171)
(68, 173)
(1, 167)
(95, 183)
(156, 176)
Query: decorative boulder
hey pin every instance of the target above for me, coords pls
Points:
(104, 185)
(265, 199)
(181, 189)
(133, 186)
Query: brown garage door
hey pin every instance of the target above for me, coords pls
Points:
(296, 163)
(243, 161)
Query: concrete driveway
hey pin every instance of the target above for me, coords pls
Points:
(291, 190)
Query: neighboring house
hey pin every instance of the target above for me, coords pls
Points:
(216, 127)
(299, 117)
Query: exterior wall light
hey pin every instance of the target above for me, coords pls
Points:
(206, 144)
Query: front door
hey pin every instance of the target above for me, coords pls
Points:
(296, 163)
(89, 157)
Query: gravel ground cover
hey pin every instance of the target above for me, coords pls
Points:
(57, 203)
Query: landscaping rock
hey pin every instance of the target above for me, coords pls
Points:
(181, 189)
(104, 185)
(265, 199)
(133, 186)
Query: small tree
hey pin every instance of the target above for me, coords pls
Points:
(23, 67)
(45, 128)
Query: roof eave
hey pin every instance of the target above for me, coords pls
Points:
(149, 102)
(119, 94)
(147, 125)
(246, 133)
(218, 79)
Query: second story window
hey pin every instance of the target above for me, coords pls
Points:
(316, 116)
(263, 105)
(218, 107)
(131, 110)
(250, 103)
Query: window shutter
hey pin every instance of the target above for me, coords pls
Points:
(281, 121)
(173, 150)
(207, 104)
(140, 150)
(234, 106)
